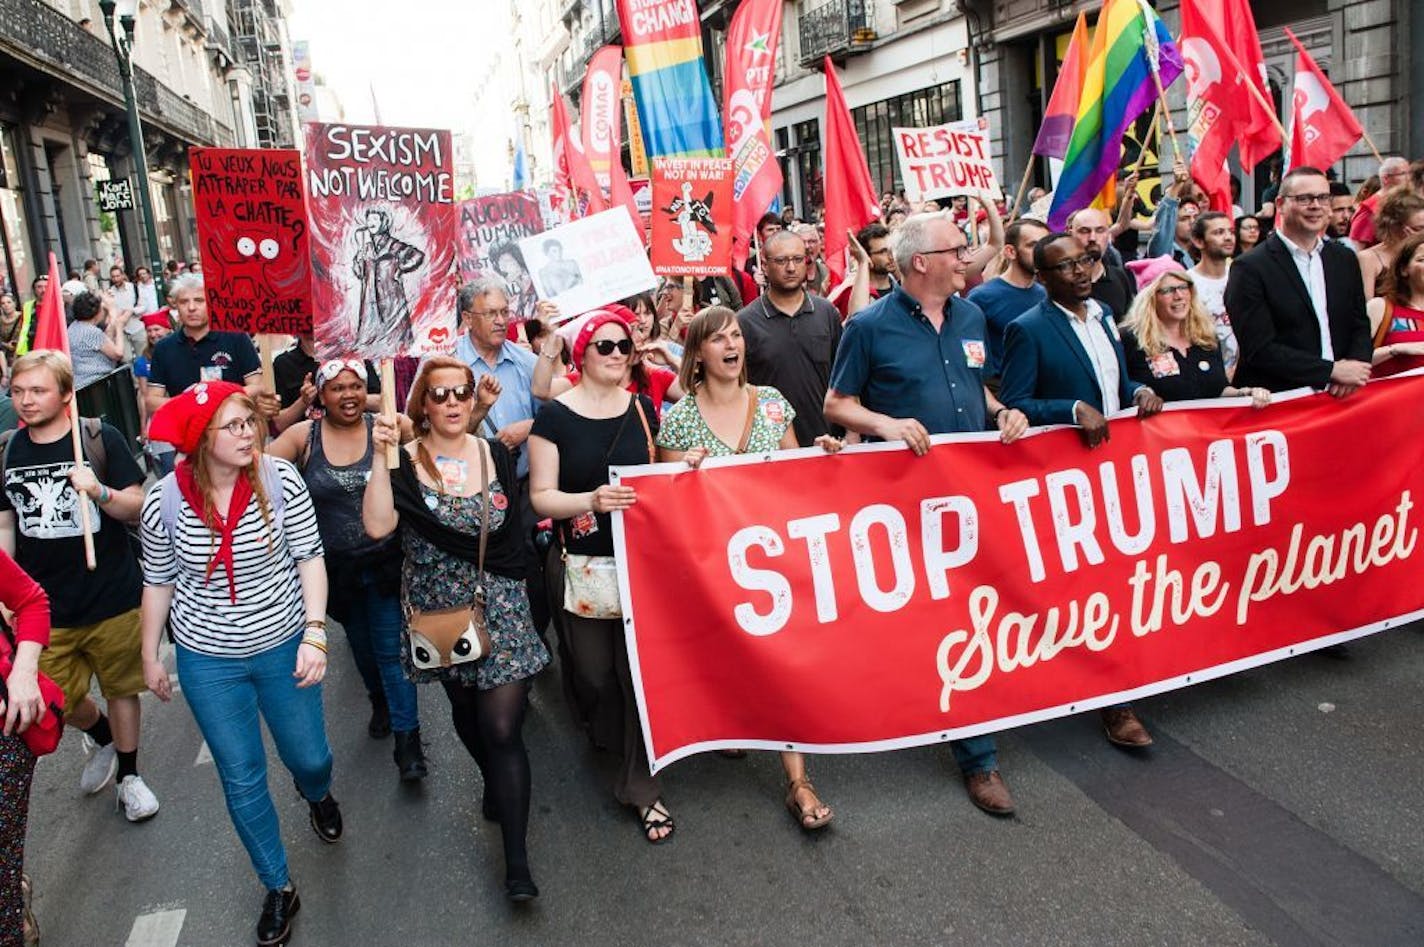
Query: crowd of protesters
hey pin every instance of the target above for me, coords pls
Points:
(276, 509)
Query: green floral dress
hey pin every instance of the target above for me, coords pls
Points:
(683, 427)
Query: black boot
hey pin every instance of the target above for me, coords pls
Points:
(410, 756)
(326, 819)
(380, 726)
(274, 927)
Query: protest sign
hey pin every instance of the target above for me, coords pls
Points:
(384, 230)
(692, 216)
(253, 237)
(890, 600)
(591, 261)
(946, 161)
(490, 230)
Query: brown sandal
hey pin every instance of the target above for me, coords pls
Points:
(806, 817)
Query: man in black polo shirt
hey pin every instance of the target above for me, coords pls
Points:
(197, 353)
(792, 335)
(1113, 286)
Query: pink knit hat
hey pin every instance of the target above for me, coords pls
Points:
(1149, 269)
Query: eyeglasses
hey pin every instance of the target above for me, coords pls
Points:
(787, 260)
(442, 394)
(1308, 199)
(1068, 266)
(490, 313)
(238, 427)
(605, 347)
(1181, 288)
(961, 252)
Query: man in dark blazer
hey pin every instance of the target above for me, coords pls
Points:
(1063, 361)
(1297, 301)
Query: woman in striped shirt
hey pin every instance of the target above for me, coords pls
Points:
(233, 559)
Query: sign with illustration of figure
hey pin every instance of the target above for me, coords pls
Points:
(384, 230)
(490, 230)
(253, 237)
(588, 262)
(692, 216)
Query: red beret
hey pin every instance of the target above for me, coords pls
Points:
(595, 321)
(182, 420)
(159, 318)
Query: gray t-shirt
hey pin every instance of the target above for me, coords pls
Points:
(86, 349)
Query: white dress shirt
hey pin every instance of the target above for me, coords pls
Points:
(1101, 352)
(1312, 273)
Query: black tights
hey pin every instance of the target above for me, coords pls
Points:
(491, 725)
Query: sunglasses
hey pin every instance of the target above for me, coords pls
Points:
(605, 347)
(442, 394)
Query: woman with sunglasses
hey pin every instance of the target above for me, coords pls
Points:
(596, 424)
(1400, 216)
(1169, 339)
(449, 488)
(334, 456)
(723, 415)
(652, 369)
(232, 563)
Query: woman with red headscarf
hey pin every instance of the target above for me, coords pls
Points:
(232, 561)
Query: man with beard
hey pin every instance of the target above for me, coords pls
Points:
(1342, 211)
(1010, 294)
(850, 298)
(1215, 240)
(1113, 286)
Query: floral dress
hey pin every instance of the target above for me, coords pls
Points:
(433, 579)
(684, 428)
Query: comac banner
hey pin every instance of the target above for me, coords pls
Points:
(888, 600)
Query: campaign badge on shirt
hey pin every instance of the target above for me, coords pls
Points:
(210, 373)
(453, 472)
(1164, 365)
(973, 352)
(773, 412)
(585, 524)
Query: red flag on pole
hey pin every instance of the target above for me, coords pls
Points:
(1237, 27)
(850, 195)
(50, 329)
(752, 39)
(573, 176)
(1323, 128)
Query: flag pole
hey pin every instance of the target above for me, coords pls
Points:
(84, 521)
(1154, 66)
(1371, 142)
(1147, 138)
(1023, 189)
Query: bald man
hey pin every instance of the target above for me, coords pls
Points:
(1392, 173)
(1113, 286)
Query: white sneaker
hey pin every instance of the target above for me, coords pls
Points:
(138, 800)
(103, 762)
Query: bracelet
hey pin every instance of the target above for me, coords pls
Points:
(104, 495)
(319, 623)
(1002, 409)
(319, 645)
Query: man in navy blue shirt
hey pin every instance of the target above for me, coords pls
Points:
(1010, 294)
(909, 366)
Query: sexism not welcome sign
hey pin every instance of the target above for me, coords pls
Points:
(252, 233)
(947, 160)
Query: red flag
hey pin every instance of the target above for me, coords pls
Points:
(751, 44)
(50, 329)
(850, 195)
(601, 111)
(573, 176)
(1322, 126)
(1261, 135)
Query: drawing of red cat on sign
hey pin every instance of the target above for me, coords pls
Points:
(384, 234)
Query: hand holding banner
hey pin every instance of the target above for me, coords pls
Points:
(588, 262)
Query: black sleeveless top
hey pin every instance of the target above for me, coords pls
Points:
(337, 493)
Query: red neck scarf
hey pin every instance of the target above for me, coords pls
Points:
(225, 525)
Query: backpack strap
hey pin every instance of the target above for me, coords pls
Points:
(170, 501)
(91, 437)
(271, 475)
(5, 439)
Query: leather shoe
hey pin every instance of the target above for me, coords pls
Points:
(988, 791)
(410, 756)
(274, 927)
(326, 819)
(1124, 729)
(520, 889)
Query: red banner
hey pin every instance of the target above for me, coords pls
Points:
(692, 216)
(253, 237)
(384, 230)
(889, 600)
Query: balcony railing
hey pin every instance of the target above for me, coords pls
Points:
(834, 28)
(33, 31)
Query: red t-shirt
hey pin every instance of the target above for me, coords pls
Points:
(659, 381)
(1362, 225)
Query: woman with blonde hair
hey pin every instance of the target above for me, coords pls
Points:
(1397, 314)
(455, 500)
(1170, 343)
(1400, 216)
(722, 415)
(232, 562)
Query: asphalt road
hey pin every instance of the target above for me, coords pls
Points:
(1281, 805)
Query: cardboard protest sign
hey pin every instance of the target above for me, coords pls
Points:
(588, 262)
(692, 216)
(384, 229)
(253, 237)
(490, 230)
(947, 160)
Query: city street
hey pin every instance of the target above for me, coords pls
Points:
(1281, 805)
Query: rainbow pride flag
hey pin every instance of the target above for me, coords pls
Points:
(663, 48)
(1129, 44)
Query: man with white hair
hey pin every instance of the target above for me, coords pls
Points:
(1393, 172)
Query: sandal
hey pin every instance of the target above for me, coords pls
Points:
(30, 928)
(805, 816)
(656, 817)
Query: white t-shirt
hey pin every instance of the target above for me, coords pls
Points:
(1212, 290)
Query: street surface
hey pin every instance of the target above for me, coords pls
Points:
(1281, 805)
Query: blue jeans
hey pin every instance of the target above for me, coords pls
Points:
(976, 754)
(227, 695)
(373, 628)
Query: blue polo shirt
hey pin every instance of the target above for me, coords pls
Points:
(893, 360)
(178, 362)
(514, 370)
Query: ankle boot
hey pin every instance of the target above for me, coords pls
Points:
(410, 756)
(379, 726)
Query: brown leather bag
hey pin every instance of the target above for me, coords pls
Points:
(441, 637)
